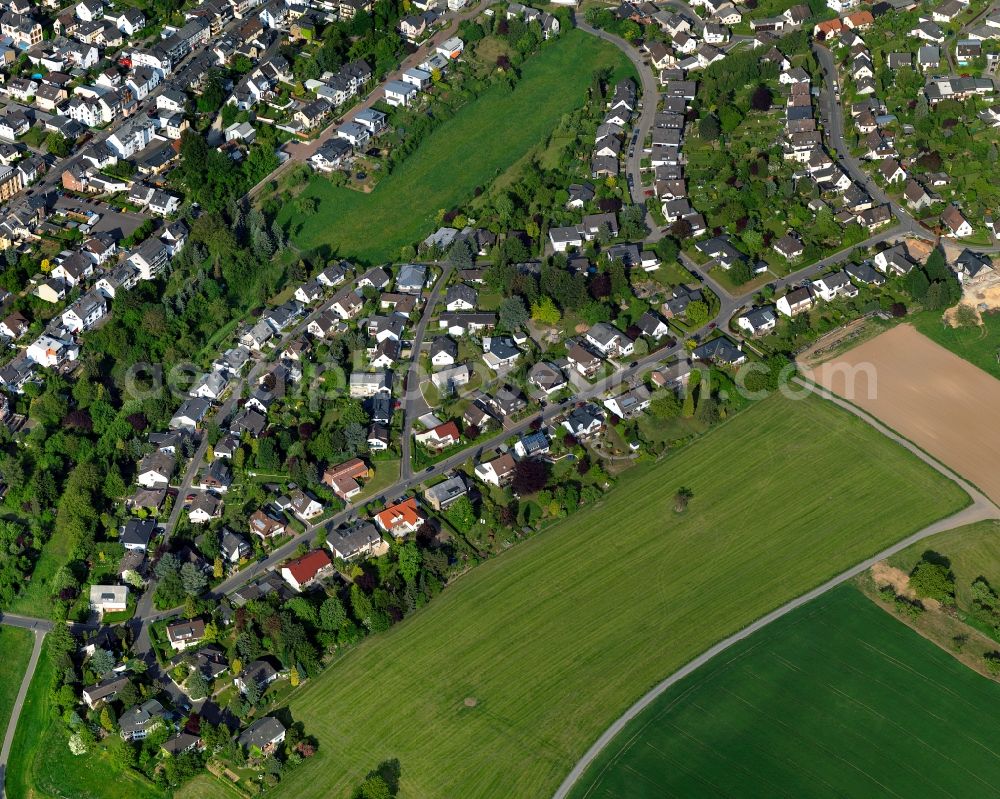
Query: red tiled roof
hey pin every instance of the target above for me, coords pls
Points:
(352, 468)
(859, 18)
(308, 566)
(404, 512)
(447, 430)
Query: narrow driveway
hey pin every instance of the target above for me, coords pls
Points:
(412, 400)
(980, 509)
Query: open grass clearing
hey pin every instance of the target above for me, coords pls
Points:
(836, 699)
(482, 140)
(937, 400)
(977, 345)
(386, 473)
(207, 786)
(555, 638)
(36, 598)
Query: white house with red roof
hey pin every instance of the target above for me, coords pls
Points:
(437, 438)
(401, 519)
(300, 572)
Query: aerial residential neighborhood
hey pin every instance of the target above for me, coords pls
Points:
(398, 398)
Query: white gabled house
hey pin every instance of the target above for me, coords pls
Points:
(795, 302)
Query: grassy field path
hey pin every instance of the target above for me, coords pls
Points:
(981, 509)
(20, 654)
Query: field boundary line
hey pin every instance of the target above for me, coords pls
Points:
(887, 430)
(981, 508)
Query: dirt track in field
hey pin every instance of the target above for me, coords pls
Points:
(941, 403)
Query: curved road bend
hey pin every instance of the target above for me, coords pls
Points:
(730, 303)
(981, 509)
(649, 99)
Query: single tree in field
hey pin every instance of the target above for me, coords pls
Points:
(681, 499)
(965, 316)
(932, 578)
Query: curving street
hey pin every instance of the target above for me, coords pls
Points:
(412, 402)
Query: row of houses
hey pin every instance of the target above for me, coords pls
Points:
(608, 140)
(355, 134)
(686, 51)
(93, 271)
(669, 182)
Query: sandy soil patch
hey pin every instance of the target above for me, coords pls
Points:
(883, 573)
(942, 403)
(982, 295)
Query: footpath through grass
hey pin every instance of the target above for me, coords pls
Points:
(15, 645)
(836, 699)
(468, 150)
(500, 684)
(41, 765)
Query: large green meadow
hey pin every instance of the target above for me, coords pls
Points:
(836, 699)
(468, 150)
(500, 684)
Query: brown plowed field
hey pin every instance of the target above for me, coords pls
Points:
(943, 404)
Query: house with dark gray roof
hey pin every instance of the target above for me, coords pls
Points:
(719, 350)
(138, 721)
(351, 541)
(137, 533)
(259, 672)
(265, 734)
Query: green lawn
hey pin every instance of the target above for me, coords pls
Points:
(36, 599)
(837, 699)
(207, 786)
(556, 637)
(468, 150)
(386, 473)
(973, 551)
(42, 767)
(15, 644)
(978, 345)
